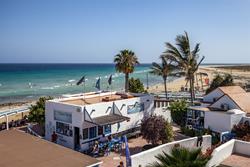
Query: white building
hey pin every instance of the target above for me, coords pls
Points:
(81, 119)
(221, 109)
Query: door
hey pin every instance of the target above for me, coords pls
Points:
(76, 138)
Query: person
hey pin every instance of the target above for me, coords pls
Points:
(95, 149)
(109, 138)
(103, 139)
(121, 164)
(54, 137)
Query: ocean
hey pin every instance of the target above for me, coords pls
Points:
(23, 82)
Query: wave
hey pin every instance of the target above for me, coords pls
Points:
(71, 80)
(142, 71)
(47, 88)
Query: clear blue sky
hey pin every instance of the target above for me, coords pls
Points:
(93, 31)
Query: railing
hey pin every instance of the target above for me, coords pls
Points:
(160, 103)
(30, 131)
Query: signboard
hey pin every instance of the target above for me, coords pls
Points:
(137, 107)
(62, 116)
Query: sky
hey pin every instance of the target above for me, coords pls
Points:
(94, 31)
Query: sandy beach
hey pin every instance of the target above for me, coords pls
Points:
(241, 77)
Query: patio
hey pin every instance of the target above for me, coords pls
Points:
(135, 146)
(236, 160)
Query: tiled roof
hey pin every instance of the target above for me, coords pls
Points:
(231, 89)
(242, 100)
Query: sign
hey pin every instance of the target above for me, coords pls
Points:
(63, 116)
(137, 107)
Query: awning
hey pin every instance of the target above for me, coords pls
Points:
(109, 119)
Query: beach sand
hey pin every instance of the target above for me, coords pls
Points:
(241, 77)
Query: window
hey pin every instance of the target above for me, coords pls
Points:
(85, 134)
(107, 129)
(63, 116)
(100, 130)
(92, 132)
(63, 129)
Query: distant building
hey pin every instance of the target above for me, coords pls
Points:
(221, 109)
(79, 120)
(20, 149)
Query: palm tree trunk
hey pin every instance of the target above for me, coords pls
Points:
(191, 90)
(165, 87)
(126, 82)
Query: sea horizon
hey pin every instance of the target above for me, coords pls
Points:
(28, 81)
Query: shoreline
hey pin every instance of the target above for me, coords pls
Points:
(241, 76)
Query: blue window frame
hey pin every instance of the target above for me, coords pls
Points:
(92, 132)
(107, 129)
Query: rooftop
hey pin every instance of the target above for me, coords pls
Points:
(232, 89)
(29, 150)
(96, 98)
(242, 100)
(236, 160)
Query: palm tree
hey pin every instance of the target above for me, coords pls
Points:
(181, 157)
(187, 59)
(126, 61)
(37, 112)
(164, 70)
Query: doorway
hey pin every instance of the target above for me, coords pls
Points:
(76, 138)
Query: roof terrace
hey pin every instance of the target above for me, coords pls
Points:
(87, 99)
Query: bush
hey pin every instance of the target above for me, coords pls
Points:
(169, 132)
(219, 80)
(242, 131)
(179, 112)
(153, 129)
(136, 86)
(188, 132)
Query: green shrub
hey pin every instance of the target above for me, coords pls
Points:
(188, 132)
(179, 112)
(169, 132)
(136, 86)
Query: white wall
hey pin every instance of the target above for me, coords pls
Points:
(225, 100)
(242, 147)
(146, 157)
(163, 112)
(214, 94)
(50, 123)
(95, 110)
(101, 109)
(221, 121)
(221, 153)
(217, 121)
(227, 149)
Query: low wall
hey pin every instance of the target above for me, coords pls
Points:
(221, 153)
(227, 149)
(163, 112)
(146, 157)
(242, 147)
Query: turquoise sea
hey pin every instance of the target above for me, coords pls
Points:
(22, 82)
